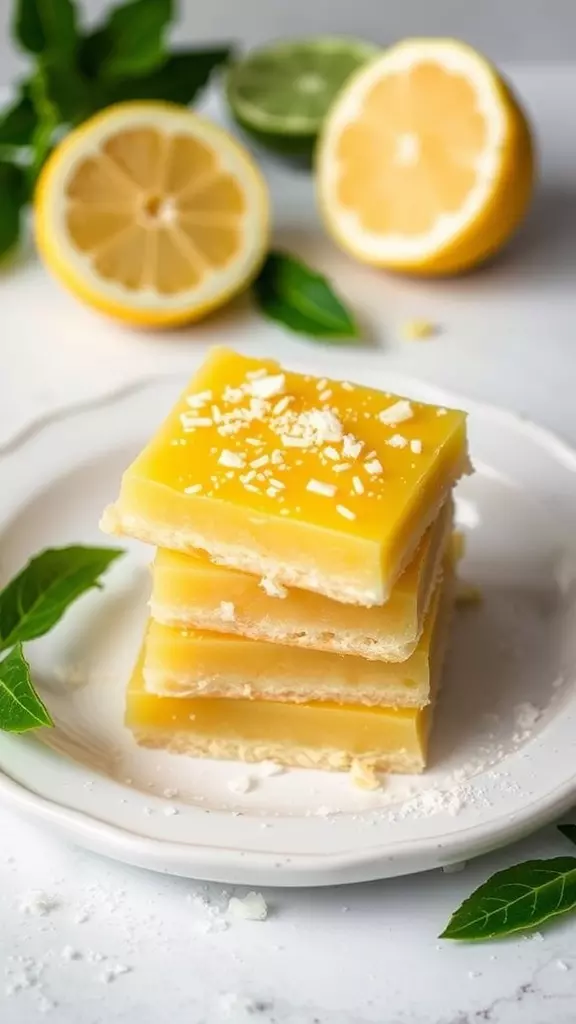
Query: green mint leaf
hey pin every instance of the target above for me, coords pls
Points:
(130, 42)
(569, 831)
(18, 122)
(296, 296)
(36, 599)
(516, 899)
(71, 97)
(46, 26)
(13, 196)
(179, 79)
(20, 706)
(48, 119)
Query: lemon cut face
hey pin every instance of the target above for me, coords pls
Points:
(425, 161)
(152, 214)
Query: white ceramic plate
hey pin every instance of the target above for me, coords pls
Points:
(504, 748)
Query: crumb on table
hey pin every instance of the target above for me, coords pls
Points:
(418, 330)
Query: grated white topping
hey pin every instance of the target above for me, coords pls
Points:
(331, 453)
(357, 485)
(397, 441)
(396, 413)
(442, 412)
(267, 387)
(346, 513)
(281, 405)
(416, 446)
(294, 442)
(319, 487)
(351, 447)
(198, 400)
(193, 489)
(373, 467)
(232, 460)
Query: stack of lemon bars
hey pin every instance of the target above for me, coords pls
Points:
(303, 580)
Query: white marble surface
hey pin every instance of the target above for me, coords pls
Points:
(362, 955)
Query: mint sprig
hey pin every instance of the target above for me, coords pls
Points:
(46, 26)
(130, 43)
(77, 72)
(517, 899)
(30, 606)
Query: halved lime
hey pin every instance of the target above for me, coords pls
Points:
(280, 94)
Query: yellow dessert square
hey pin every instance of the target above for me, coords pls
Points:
(190, 591)
(327, 736)
(323, 735)
(317, 484)
(192, 663)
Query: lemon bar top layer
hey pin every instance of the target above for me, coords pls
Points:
(307, 735)
(192, 662)
(319, 484)
(190, 591)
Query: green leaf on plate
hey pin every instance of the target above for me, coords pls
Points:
(20, 706)
(46, 26)
(13, 196)
(36, 599)
(178, 80)
(18, 121)
(569, 831)
(516, 899)
(130, 42)
(299, 298)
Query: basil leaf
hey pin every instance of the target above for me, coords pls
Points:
(20, 706)
(569, 831)
(18, 122)
(299, 298)
(36, 599)
(13, 196)
(46, 26)
(130, 42)
(516, 899)
(178, 80)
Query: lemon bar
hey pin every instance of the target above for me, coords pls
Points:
(310, 735)
(325, 736)
(316, 484)
(190, 591)
(192, 663)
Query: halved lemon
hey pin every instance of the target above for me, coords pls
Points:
(425, 161)
(152, 214)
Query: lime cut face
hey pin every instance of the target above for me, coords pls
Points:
(281, 93)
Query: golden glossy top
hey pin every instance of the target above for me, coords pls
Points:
(340, 456)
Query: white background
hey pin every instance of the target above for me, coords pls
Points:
(368, 954)
(512, 30)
